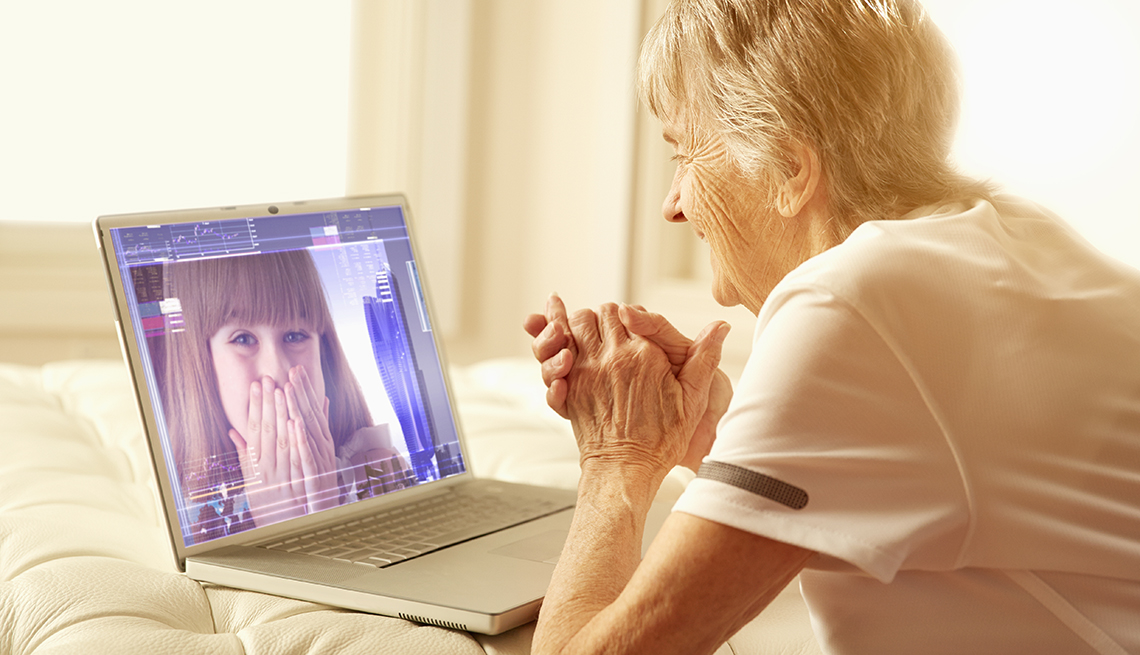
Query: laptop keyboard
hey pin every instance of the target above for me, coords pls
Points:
(398, 534)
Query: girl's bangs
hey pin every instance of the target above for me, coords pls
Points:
(280, 289)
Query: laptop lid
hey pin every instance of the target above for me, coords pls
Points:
(276, 350)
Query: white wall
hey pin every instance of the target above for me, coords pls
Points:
(134, 105)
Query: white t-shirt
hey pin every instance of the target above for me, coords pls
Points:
(956, 396)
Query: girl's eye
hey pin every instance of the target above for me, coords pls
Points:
(244, 339)
(296, 337)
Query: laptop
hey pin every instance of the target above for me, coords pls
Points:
(297, 408)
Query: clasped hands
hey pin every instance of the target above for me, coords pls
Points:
(639, 394)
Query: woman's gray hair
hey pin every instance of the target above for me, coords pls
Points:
(871, 85)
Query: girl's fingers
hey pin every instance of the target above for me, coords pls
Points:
(280, 427)
(253, 428)
(239, 443)
(296, 459)
(304, 450)
(313, 412)
(320, 487)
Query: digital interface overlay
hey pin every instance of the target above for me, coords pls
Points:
(372, 285)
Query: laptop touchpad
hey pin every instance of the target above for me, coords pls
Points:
(543, 547)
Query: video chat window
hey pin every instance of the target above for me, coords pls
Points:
(292, 361)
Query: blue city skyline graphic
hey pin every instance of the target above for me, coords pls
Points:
(404, 381)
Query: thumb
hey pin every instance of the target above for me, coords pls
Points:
(657, 329)
(240, 445)
(703, 358)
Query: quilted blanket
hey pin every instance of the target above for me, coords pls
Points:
(86, 567)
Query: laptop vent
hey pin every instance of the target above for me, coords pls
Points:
(435, 622)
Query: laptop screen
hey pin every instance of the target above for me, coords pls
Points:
(290, 361)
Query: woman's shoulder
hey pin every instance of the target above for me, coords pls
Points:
(950, 251)
(893, 256)
(964, 266)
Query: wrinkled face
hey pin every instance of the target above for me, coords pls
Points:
(245, 353)
(753, 246)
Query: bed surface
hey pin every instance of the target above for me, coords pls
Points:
(85, 565)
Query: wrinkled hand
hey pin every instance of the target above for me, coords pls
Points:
(287, 460)
(554, 347)
(627, 401)
(677, 348)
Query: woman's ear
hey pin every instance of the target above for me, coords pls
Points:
(798, 190)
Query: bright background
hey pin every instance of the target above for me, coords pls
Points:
(124, 105)
(134, 105)
(1052, 106)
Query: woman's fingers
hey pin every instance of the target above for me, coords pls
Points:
(555, 309)
(556, 395)
(658, 330)
(584, 328)
(534, 324)
(557, 366)
(554, 337)
(696, 375)
(555, 348)
(551, 330)
(613, 332)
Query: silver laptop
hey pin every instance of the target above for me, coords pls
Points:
(297, 408)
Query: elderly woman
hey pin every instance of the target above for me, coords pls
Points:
(938, 428)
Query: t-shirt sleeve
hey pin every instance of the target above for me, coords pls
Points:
(829, 445)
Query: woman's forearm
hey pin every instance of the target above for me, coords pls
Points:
(601, 553)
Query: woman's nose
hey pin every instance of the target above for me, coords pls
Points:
(671, 208)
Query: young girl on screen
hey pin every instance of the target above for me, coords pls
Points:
(266, 419)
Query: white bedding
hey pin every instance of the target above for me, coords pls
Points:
(85, 566)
